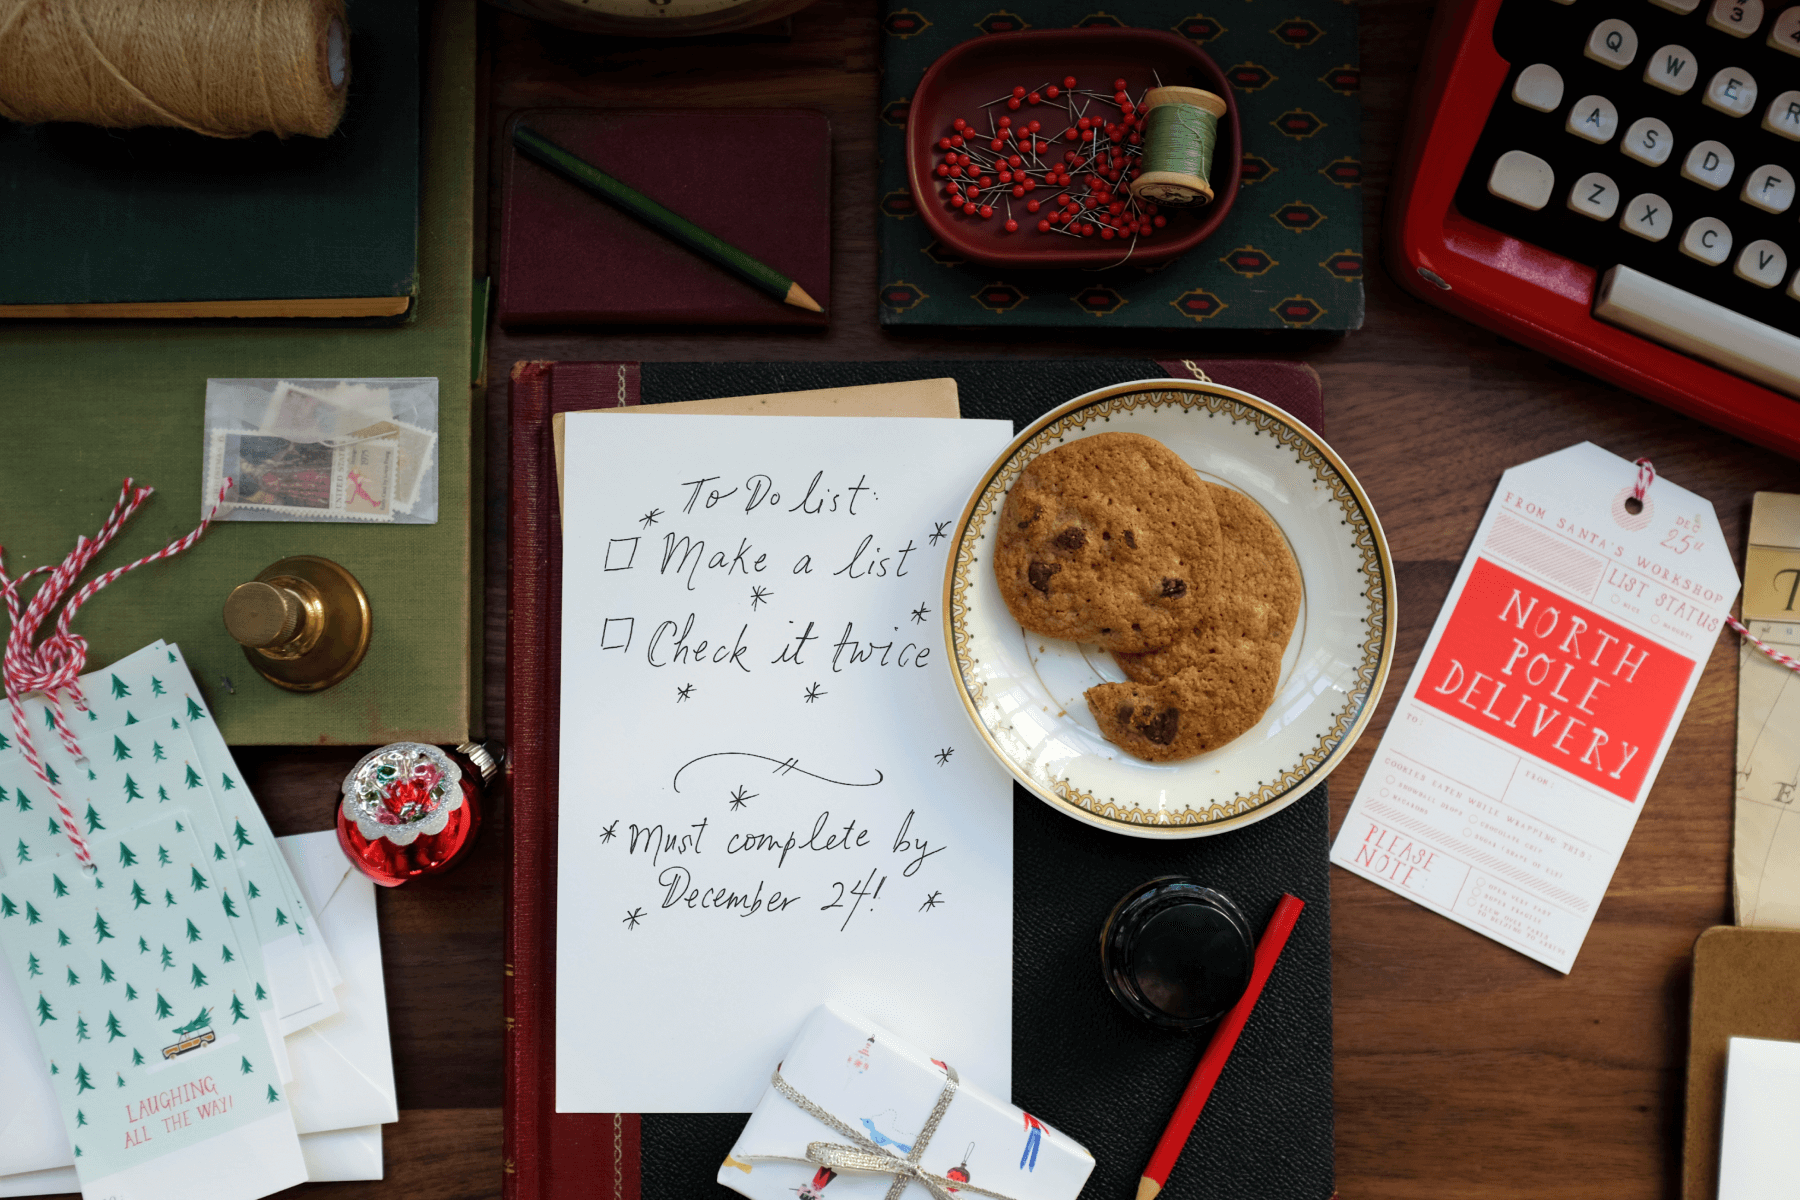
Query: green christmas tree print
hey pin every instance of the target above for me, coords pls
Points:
(74, 979)
(251, 889)
(62, 939)
(245, 1068)
(81, 1033)
(156, 752)
(272, 1096)
(192, 778)
(130, 992)
(82, 1082)
(129, 719)
(4, 744)
(179, 827)
(168, 898)
(93, 820)
(102, 931)
(126, 857)
(174, 724)
(260, 994)
(55, 1070)
(280, 917)
(112, 1027)
(57, 886)
(230, 908)
(119, 690)
(241, 836)
(156, 687)
(121, 751)
(31, 966)
(194, 711)
(197, 881)
(230, 784)
(49, 719)
(237, 1010)
(31, 914)
(162, 793)
(54, 831)
(107, 974)
(226, 955)
(43, 1009)
(162, 857)
(24, 801)
(7, 907)
(193, 931)
(131, 789)
(168, 959)
(24, 852)
(50, 773)
(164, 1010)
(218, 852)
(198, 978)
(80, 1118)
(143, 946)
(138, 898)
(120, 1078)
(137, 1060)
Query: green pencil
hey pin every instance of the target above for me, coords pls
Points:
(671, 225)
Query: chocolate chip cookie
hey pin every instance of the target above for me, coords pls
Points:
(1199, 709)
(1110, 539)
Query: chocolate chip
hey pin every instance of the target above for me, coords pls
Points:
(1037, 510)
(1131, 539)
(1106, 537)
(1174, 587)
(1161, 728)
(1124, 713)
(1070, 539)
(1039, 573)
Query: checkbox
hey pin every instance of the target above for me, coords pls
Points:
(619, 553)
(615, 633)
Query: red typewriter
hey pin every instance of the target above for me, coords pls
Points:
(1613, 182)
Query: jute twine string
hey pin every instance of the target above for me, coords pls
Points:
(222, 68)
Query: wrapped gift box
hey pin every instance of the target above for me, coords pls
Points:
(850, 1101)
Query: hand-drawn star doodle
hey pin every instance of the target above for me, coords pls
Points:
(941, 530)
(759, 595)
(740, 797)
(649, 518)
(918, 614)
(931, 901)
(683, 692)
(943, 756)
(609, 833)
(632, 918)
(813, 693)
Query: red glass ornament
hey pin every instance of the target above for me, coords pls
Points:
(408, 809)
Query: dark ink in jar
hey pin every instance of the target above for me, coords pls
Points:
(1176, 953)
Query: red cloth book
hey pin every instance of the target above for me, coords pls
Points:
(603, 1156)
(760, 178)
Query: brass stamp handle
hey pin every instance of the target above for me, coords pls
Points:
(304, 623)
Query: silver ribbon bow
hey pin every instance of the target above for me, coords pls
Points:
(867, 1157)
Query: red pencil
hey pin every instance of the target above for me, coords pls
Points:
(1193, 1099)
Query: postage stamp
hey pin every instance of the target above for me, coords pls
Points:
(304, 480)
(414, 456)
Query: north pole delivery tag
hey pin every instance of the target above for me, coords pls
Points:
(1519, 756)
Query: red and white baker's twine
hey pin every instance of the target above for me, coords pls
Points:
(1647, 476)
(58, 661)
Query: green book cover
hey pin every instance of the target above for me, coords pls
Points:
(1289, 254)
(89, 404)
(158, 215)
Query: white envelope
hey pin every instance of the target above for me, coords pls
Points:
(341, 1154)
(31, 1128)
(343, 1064)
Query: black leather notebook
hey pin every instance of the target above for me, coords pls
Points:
(1080, 1061)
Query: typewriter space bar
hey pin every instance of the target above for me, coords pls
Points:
(1697, 327)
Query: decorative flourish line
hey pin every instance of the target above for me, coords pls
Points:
(782, 767)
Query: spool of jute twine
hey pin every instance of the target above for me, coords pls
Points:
(1181, 130)
(222, 68)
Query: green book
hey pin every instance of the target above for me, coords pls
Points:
(166, 223)
(89, 404)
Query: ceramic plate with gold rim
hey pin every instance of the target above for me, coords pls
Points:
(1024, 691)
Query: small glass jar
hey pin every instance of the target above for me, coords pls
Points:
(409, 809)
(1176, 953)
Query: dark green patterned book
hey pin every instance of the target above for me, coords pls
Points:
(1289, 254)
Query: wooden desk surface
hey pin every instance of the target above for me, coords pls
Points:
(1463, 1069)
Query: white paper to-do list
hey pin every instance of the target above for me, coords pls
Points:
(769, 794)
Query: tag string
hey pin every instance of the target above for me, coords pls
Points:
(58, 661)
(1647, 476)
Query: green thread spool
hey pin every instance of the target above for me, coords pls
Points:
(1181, 129)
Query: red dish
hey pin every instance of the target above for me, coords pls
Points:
(965, 78)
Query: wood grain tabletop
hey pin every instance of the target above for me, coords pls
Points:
(1463, 1068)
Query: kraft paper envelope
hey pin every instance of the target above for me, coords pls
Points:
(344, 1064)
